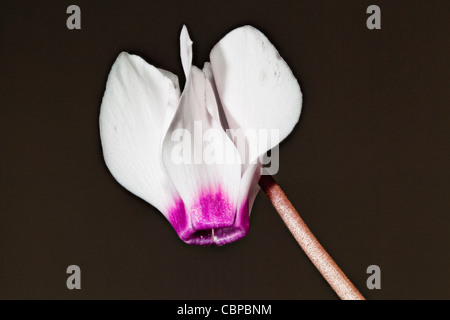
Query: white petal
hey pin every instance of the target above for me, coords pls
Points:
(209, 189)
(215, 109)
(248, 189)
(186, 51)
(174, 100)
(137, 108)
(257, 89)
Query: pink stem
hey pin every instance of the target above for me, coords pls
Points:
(313, 249)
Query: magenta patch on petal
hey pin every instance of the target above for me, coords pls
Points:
(179, 219)
(212, 210)
(211, 220)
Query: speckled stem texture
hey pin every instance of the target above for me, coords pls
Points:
(313, 249)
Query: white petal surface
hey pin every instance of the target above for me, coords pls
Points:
(196, 174)
(208, 186)
(214, 109)
(256, 87)
(249, 188)
(137, 108)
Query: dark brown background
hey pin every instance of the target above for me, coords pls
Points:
(367, 166)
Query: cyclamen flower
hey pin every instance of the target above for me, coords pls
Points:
(247, 85)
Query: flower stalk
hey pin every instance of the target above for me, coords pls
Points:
(308, 242)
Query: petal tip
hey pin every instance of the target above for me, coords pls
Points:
(184, 36)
